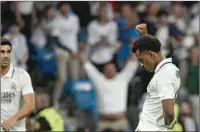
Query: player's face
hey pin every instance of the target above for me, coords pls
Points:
(5, 55)
(146, 60)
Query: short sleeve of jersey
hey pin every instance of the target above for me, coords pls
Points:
(27, 87)
(166, 91)
(167, 86)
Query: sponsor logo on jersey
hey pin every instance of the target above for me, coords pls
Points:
(7, 97)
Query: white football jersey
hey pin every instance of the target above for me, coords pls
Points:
(14, 85)
(163, 85)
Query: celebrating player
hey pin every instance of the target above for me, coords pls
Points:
(158, 109)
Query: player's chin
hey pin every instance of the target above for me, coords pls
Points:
(4, 64)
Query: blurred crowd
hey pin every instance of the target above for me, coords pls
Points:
(48, 37)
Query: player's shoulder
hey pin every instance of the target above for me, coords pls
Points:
(169, 71)
(93, 22)
(113, 23)
(73, 17)
(20, 72)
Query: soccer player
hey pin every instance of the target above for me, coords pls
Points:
(15, 84)
(158, 109)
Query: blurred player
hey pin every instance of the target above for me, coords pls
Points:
(158, 109)
(15, 84)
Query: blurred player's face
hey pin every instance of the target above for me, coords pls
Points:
(110, 70)
(40, 101)
(163, 20)
(65, 8)
(146, 60)
(153, 9)
(5, 55)
(126, 10)
(50, 13)
(194, 53)
(185, 109)
(103, 13)
(14, 29)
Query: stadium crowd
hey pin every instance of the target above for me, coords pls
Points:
(68, 48)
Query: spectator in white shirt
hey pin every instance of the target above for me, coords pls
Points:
(112, 92)
(25, 13)
(66, 31)
(102, 39)
(20, 53)
(45, 28)
(162, 32)
(178, 16)
(94, 7)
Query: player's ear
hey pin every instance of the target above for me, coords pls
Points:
(152, 55)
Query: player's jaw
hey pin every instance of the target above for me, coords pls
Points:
(5, 56)
(5, 63)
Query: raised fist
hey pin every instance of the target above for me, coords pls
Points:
(142, 28)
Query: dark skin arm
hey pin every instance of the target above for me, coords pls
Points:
(168, 109)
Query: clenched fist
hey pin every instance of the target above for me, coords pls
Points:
(142, 28)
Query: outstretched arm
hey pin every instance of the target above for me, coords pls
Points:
(90, 69)
(130, 69)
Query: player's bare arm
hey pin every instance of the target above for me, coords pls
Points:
(168, 109)
(29, 105)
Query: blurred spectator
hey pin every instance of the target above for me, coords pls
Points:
(112, 90)
(189, 123)
(9, 14)
(66, 31)
(25, 13)
(151, 20)
(82, 9)
(45, 28)
(102, 39)
(47, 118)
(127, 32)
(48, 22)
(194, 25)
(178, 16)
(162, 32)
(40, 5)
(20, 50)
(95, 5)
(190, 79)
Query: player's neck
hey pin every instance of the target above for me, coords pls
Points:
(159, 59)
(4, 70)
(103, 21)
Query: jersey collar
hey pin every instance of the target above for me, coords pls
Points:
(163, 62)
(10, 72)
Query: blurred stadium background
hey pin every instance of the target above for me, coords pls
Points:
(33, 29)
